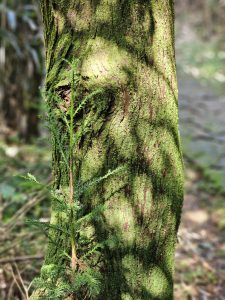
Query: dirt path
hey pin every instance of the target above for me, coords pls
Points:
(202, 125)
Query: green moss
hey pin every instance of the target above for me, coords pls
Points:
(159, 285)
(93, 160)
(59, 21)
(104, 11)
(105, 63)
(80, 19)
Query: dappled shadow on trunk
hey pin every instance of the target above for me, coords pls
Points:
(154, 231)
(125, 48)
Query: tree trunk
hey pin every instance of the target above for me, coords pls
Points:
(125, 48)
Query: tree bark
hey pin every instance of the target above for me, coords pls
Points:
(125, 48)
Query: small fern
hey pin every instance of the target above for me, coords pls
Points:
(78, 277)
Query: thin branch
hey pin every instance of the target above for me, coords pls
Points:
(17, 283)
(21, 281)
(20, 259)
(22, 211)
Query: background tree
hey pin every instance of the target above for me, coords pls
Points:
(125, 49)
(20, 68)
(212, 16)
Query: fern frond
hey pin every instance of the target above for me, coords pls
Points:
(86, 99)
(82, 188)
(90, 281)
(95, 214)
(45, 226)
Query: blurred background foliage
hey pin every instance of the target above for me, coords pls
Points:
(21, 68)
(25, 147)
(200, 39)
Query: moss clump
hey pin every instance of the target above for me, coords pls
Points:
(160, 287)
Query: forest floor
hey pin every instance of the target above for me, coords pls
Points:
(200, 256)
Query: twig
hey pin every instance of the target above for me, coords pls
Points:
(22, 211)
(20, 258)
(16, 240)
(17, 283)
(21, 281)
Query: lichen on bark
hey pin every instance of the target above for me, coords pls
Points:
(127, 49)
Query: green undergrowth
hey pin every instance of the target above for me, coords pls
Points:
(197, 275)
(20, 199)
(215, 191)
(212, 181)
(17, 159)
(202, 59)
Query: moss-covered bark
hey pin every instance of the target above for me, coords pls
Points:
(125, 47)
